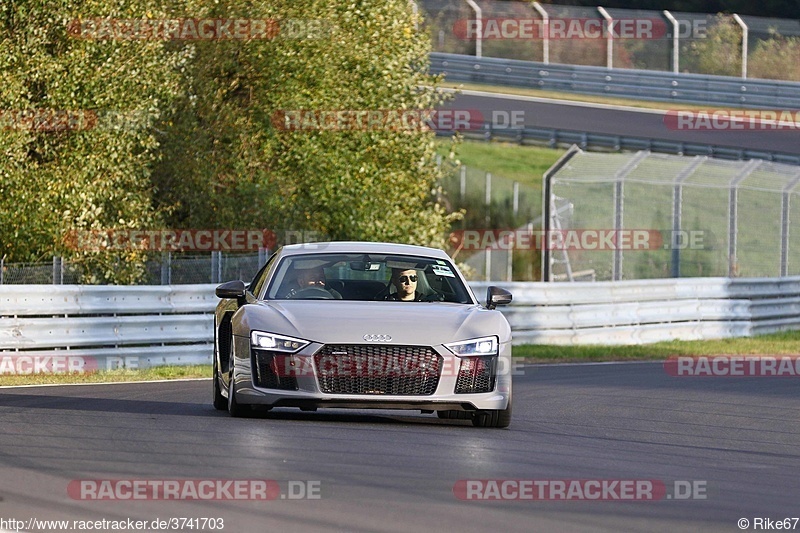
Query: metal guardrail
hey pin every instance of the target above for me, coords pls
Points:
(640, 84)
(593, 141)
(642, 311)
(80, 328)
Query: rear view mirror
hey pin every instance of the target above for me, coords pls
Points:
(231, 289)
(496, 296)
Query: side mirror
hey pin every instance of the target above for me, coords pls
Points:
(496, 296)
(232, 289)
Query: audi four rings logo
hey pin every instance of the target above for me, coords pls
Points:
(377, 338)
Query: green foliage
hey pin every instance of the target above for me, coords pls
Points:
(720, 53)
(184, 136)
(777, 58)
(95, 177)
(246, 172)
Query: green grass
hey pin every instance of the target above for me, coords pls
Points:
(110, 376)
(787, 343)
(525, 164)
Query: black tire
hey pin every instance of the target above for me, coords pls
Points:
(493, 418)
(220, 402)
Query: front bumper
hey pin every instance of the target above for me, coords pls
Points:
(309, 395)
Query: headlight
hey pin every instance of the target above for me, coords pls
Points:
(474, 347)
(276, 343)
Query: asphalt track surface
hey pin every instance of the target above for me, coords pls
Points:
(395, 471)
(621, 120)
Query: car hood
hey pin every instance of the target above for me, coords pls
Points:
(341, 322)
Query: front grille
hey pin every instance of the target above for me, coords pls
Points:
(273, 370)
(476, 374)
(377, 369)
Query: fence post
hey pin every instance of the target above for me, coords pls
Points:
(609, 37)
(166, 268)
(745, 32)
(56, 269)
(488, 199)
(463, 189)
(675, 42)
(2, 268)
(216, 275)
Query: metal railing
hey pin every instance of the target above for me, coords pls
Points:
(555, 137)
(644, 311)
(73, 328)
(648, 85)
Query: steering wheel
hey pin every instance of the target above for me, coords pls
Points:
(312, 293)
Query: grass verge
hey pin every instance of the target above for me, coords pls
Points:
(787, 343)
(111, 376)
(525, 164)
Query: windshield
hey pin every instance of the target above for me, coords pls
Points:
(367, 277)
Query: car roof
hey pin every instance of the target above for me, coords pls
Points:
(359, 247)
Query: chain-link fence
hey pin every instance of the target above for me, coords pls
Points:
(645, 215)
(166, 269)
(699, 43)
(492, 205)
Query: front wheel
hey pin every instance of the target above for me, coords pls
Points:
(493, 418)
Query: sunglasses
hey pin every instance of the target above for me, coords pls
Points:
(406, 279)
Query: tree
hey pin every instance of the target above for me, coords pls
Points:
(350, 183)
(76, 137)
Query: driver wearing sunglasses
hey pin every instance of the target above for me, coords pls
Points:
(405, 281)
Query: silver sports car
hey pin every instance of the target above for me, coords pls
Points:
(362, 325)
